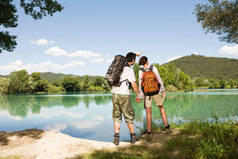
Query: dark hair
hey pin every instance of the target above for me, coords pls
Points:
(130, 56)
(143, 60)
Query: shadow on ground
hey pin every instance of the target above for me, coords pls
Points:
(32, 133)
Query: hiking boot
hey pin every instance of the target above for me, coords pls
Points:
(166, 128)
(133, 138)
(116, 139)
(147, 135)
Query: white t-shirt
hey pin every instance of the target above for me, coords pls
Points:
(128, 73)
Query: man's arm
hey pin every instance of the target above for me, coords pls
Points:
(135, 87)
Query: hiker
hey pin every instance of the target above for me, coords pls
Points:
(158, 94)
(121, 99)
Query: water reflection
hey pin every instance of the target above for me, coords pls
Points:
(90, 116)
(21, 105)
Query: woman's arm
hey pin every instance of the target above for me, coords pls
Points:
(140, 89)
(162, 89)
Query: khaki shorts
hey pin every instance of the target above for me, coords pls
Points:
(158, 99)
(122, 105)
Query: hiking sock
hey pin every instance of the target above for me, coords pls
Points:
(116, 139)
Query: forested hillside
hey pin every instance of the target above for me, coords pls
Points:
(54, 77)
(207, 67)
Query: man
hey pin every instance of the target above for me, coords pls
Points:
(121, 100)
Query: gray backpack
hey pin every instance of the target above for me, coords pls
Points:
(115, 70)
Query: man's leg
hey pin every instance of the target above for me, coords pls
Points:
(163, 115)
(129, 116)
(117, 127)
(148, 118)
(116, 114)
(130, 126)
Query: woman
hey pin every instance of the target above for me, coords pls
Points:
(158, 98)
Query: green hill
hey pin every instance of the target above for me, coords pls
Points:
(207, 67)
(52, 77)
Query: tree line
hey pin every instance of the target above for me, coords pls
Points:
(216, 83)
(22, 82)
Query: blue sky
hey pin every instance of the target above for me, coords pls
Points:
(87, 34)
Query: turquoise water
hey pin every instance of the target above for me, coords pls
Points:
(89, 115)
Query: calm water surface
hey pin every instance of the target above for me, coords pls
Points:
(89, 115)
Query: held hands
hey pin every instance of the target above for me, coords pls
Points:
(138, 100)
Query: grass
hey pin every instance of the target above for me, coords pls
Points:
(194, 140)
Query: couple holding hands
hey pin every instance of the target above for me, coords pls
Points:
(149, 78)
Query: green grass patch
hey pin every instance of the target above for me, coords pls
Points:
(203, 140)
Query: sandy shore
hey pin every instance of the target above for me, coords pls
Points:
(39, 144)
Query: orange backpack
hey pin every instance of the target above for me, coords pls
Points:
(150, 84)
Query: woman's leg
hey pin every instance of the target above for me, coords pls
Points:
(163, 115)
(148, 118)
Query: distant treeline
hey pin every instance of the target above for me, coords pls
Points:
(215, 83)
(22, 82)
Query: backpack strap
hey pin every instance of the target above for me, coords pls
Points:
(126, 80)
(142, 69)
(151, 68)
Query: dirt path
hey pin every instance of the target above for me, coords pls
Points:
(38, 144)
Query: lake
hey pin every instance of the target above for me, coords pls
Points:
(89, 116)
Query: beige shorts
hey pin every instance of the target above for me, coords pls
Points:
(158, 99)
(122, 106)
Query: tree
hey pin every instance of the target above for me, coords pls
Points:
(36, 76)
(219, 16)
(70, 83)
(199, 82)
(3, 85)
(42, 86)
(8, 17)
(100, 82)
(18, 82)
(86, 83)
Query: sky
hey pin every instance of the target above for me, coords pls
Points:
(84, 38)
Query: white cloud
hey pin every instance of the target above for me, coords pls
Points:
(56, 51)
(38, 67)
(42, 42)
(173, 58)
(229, 50)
